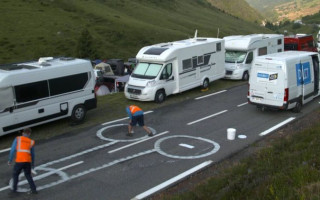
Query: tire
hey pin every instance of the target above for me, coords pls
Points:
(160, 96)
(245, 76)
(78, 113)
(297, 107)
(205, 84)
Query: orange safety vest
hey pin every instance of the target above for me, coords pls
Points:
(134, 109)
(24, 145)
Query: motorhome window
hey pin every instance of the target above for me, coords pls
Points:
(68, 84)
(155, 51)
(31, 91)
(279, 50)
(218, 46)
(146, 70)
(186, 64)
(279, 41)
(200, 60)
(249, 58)
(262, 51)
(292, 46)
(235, 56)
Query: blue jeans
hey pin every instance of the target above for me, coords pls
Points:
(26, 167)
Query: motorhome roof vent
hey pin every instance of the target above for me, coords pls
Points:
(44, 60)
(201, 39)
(155, 51)
(67, 58)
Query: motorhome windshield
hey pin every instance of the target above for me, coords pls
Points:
(235, 56)
(146, 70)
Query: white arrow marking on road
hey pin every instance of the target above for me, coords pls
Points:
(171, 181)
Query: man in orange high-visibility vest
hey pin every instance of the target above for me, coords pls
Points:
(136, 117)
(23, 148)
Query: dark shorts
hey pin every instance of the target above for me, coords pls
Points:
(137, 120)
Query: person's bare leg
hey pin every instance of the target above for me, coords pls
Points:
(147, 129)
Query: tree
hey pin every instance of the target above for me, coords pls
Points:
(85, 48)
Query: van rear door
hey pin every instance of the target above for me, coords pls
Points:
(307, 79)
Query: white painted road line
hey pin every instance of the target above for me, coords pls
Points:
(118, 120)
(129, 145)
(5, 150)
(171, 181)
(199, 120)
(210, 95)
(187, 146)
(242, 104)
(276, 126)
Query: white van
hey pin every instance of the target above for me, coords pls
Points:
(174, 67)
(34, 93)
(318, 41)
(241, 50)
(284, 80)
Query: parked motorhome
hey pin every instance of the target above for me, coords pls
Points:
(169, 68)
(37, 92)
(300, 42)
(241, 50)
(284, 80)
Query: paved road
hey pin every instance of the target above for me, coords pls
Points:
(102, 163)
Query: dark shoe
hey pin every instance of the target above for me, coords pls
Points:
(129, 134)
(150, 134)
(33, 192)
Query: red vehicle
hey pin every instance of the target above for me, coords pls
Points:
(300, 42)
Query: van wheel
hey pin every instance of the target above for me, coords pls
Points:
(78, 113)
(160, 96)
(245, 76)
(298, 107)
(205, 84)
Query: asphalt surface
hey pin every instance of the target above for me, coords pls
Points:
(103, 163)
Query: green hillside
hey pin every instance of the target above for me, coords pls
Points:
(119, 28)
(239, 8)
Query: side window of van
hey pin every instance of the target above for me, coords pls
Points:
(262, 51)
(31, 91)
(68, 83)
(186, 64)
(167, 71)
(218, 46)
(249, 58)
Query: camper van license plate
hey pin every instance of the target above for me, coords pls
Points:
(134, 96)
(256, 98)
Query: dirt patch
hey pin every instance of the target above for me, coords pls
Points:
(287, 131)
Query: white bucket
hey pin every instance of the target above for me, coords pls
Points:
(231, 133)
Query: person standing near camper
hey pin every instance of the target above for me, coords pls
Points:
(136, 117)
(23, 149)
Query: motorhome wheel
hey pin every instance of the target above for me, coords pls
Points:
(245, 76)
(205, 84)
(78, 113)
(160, 96)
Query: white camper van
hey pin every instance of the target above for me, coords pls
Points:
(241, 50)
(284, 80)
(174, 67)
(34, 93)
(318, 41)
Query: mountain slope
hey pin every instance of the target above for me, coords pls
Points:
(279, 10)
(34, 28)
(239, 8)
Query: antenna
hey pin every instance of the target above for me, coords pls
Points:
(196, 34)
(218, 33)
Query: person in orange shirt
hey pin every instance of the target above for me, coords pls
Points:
(136, 117)
(23, 148)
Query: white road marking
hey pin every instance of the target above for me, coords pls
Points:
(52, 171)
(171, 181)
(129, 145)
(187, 146)
(242, 104)
(199, 120)
(118, 120)
(210, 95)
(276, 126)
(5, 150)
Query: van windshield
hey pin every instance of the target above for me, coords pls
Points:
(235, 56)
(146, 70)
